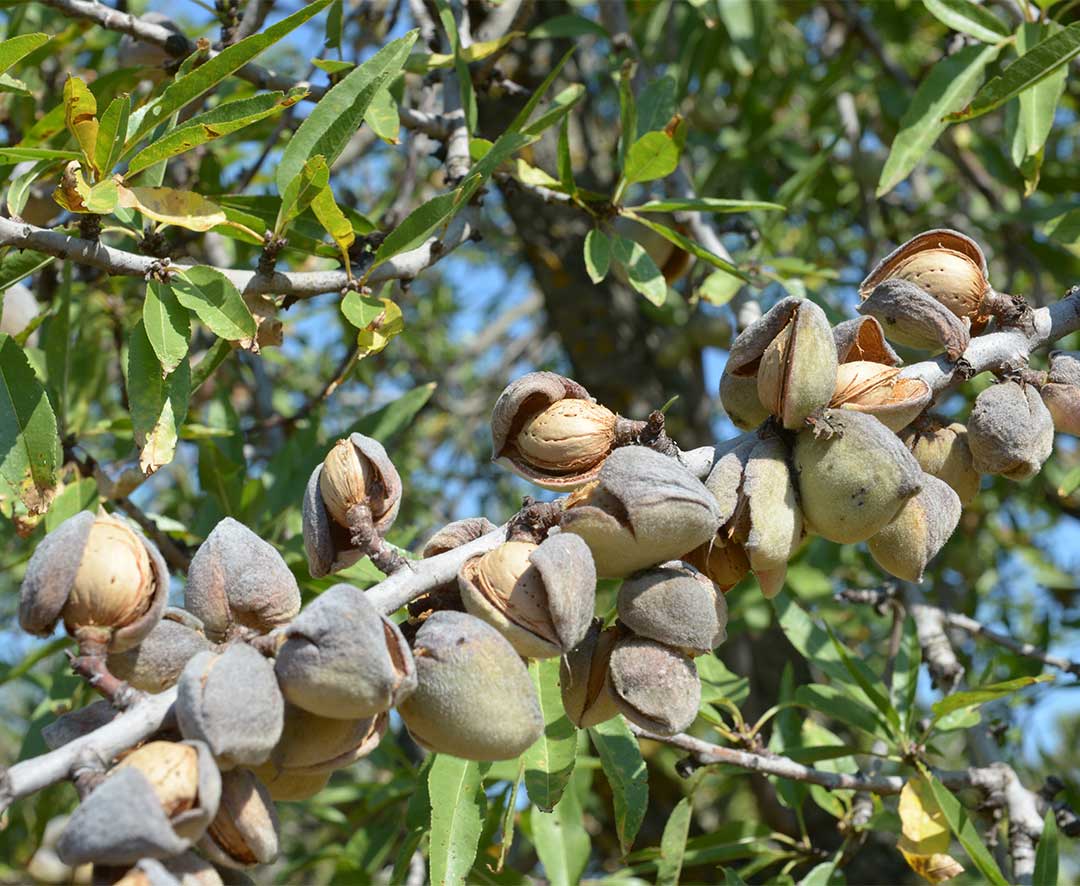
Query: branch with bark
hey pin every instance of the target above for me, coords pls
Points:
(296, 284)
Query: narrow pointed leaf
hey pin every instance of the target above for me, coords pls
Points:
(965, 832)
(1046, 855)
(949, 85)
(983, 694)
(215, 301)
(549, 763)
(158, 405)
(11, 51)
(80, 117)
(597, 254)
(641, 270)
(457, 816)
(184, 209)
(334, 120)
(621, 760)
(688, 245)
(969, 18)
(705, 204)
(167, 325)
(561, 841)
(1031, 68)
(112, 130)
(205, 77)
(1037, 105)
(673, 844)
(29, 445)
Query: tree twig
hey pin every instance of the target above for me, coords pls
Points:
(296, 284)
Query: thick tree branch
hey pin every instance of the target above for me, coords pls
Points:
(297, 284)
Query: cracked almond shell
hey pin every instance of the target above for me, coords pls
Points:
(244, 833)
(123, 820)
(540, 597)
(547, 429)
(654, 686)
(342, 659)
(918, 531)
(862, 338)
(675, 605)
(586, 697)
(945, 264)
(238, 580)
(1010, 431)
(474, 697)
(643, 509)
(231, 701)
(881, 391)
(326, 542)
(910, 316)
(314, 745)
(854, 480)
(100, 576)
(942, 451)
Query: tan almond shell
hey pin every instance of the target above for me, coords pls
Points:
(527, 396)
(862, 338)
(882, 392)
(940, 238)
(1010, 431)
(1063, 401)
(911, 316)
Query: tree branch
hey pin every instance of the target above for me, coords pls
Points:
(297, 284)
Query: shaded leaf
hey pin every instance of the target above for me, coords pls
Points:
(950, 83)
(836, 704)
(457, 816)
(387, 421)
(336, 117)
(597, 254)
(79, 495)
(561, 841)
(641, 270)
(29, 445)
(167, 325)
(19, 153)
(158, 405)
(621, 760)
(673, 844)
(688, 245)
(549, 763)
(1032, 67)
(560, 107)
(567, 26)
(1046, 855)
(1037, 105)
(656, 104)
(20, 263)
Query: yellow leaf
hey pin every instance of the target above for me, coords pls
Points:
(935, 868)
(377, 334)
(528, 174)
(333, 219)
(185, 209)
(80, 115)
(76, 195)
(924, 833)
(923, 828)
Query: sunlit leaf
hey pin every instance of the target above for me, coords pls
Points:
(29, 445)
(969, 18)
(215, 301)
(673, 844)
(185, 209)
(549, 762)
(621, 760)
(597, 254)
(158, 404)
(17, 48)
(641, 271)
(652, 156)
(457, 809)
(80, 117)
(167, 326)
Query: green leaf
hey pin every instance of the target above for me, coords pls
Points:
(641, 270)
(215, 301)
(297, 195)
(206, 76)
(705, 204)
(688, 245)
(657, 103)
(597, 254)
(673, 844)
(627, 114)
(333, 219)
(565, 168)
(968, 18)
(819, 875)
(334, 120)
(1037, 104)
(29, 445)
(965, 832)
(80, 117)
(560, 107)
(222, 120)
(11, 51)
(112, 130)
(719, 288)
(457, 816)
(158, 405)
(21, 263)
(621, 760)
(534, 100)
(906, 676)
(549, 763)
(18, 154)
(1065, 228)
(1031, 68)
(1046, 855)
(717, 682)
(167, 325)
(461, 68)
(387, 421)
(567, 26)
(383, 118)
(333, 25)
(975, 697)
(950, 83)
(836, 704)
(652, 156)
(867, 681)
(561, 841)
(79, 495)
